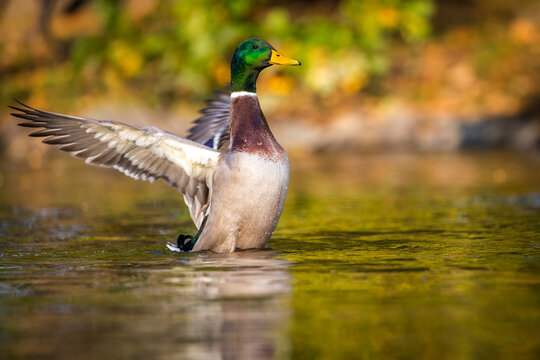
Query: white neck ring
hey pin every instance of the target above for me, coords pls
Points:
(236, 94)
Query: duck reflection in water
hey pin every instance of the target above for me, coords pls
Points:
(238, 305)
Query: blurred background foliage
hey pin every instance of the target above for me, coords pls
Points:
(179, 48)
(375, 59)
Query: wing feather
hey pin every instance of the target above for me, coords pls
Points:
(146, 153)
(212, 128)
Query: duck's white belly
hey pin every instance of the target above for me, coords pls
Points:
(247, 201)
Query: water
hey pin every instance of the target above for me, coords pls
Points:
(376, 257)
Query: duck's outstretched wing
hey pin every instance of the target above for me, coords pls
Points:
(212, 128)
(146, 153)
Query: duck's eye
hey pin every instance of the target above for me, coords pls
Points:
(255, 46)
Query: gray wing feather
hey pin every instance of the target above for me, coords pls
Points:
(212, 128)
(146, 153)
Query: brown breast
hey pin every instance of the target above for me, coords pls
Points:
(250, 131)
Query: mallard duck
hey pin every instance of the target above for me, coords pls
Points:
(231, 170)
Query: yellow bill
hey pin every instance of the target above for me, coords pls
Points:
(278, 59)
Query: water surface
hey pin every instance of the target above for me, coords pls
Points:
(376, 256)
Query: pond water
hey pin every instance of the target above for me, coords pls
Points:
(389, 256)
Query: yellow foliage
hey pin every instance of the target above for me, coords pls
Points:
(280, 85)
(111, 79)
(352, 84)
(39, 76)
(222, 72)
(128, 61)
(388, 17)
(524, 32)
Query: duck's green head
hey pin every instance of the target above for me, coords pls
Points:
(249, 59)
